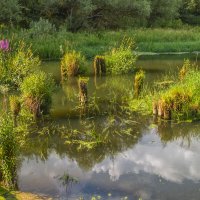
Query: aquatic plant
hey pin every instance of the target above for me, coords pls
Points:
(138, 82)
(36, 91)
(182, 99)
(121, 60)
(72, 64)
(185, 68)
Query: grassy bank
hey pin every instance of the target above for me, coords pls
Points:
(12, 195)
(48, 45)
(178, 99)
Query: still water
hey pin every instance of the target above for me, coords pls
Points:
(156, 161)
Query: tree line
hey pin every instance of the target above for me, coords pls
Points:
(100, 14)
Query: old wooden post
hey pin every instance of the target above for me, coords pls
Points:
(99, 65)
(83, 98)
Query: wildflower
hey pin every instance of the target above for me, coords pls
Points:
(4, 45)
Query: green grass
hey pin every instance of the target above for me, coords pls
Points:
(97, 43)
(15, 195)
(181, 97)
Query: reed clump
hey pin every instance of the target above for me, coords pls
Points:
(72, 64)
(121, 59)
(36, 91)
(182, 99)
(185, 68)
(138, 83)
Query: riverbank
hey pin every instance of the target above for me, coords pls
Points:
(51, 44)
(13, 195)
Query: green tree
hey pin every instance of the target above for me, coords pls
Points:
(163, 12)
(10, 12)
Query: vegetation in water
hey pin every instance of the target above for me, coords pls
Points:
(182, 98)
(138, 82)
(179, 100)
(121, 60)
(36, 92)
(72, 64)
(46, 26)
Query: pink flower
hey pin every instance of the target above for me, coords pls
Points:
(4, 45)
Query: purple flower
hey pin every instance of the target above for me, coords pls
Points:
(4, 45)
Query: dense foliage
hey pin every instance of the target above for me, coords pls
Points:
(36, 91)
(74, 15)
(9, 147)
(16, 62)
(121, 60)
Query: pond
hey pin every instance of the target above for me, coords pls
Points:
(141, 158)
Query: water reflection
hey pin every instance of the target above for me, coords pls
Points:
(158, 162)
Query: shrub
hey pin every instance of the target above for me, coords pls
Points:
(41, 27)
(37, 91)
(72, 64)
(121, 60)
(15, 65)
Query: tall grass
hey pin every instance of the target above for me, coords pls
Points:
(178, 99)
(96, 43)
(9, 147)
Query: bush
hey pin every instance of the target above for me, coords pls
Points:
(121, 60)
(72, 64)
(37, 91)
(17, 63)
(41, 27)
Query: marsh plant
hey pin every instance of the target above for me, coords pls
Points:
(16, 63)
(72, 64)
(121, 60)
(36, 92)
(182, 99)
(184, 69)
(9, 148)
(138, 83)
